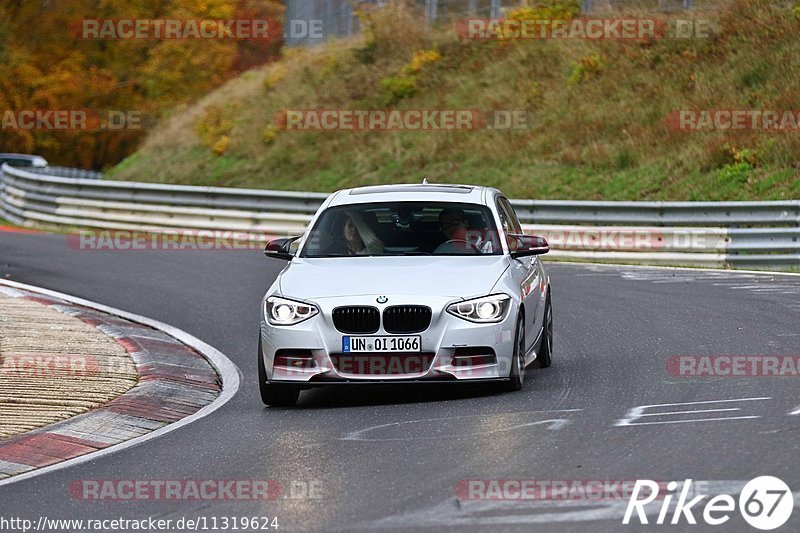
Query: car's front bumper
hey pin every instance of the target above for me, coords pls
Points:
(439, 342)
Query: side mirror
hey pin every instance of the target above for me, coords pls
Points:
(280, 248)
(527, 245)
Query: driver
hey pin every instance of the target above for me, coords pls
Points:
(453, 224)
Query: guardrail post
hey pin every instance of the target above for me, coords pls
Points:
(329, 25)
(348, 18)
(797, 213)
(495, 9)
(430, 10)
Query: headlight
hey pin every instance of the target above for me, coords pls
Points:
(485, 309)
(283, 312)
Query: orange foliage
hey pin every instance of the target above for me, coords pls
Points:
(44, 64)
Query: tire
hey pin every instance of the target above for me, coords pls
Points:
(274, 394)
(517, 373)
(545, 357)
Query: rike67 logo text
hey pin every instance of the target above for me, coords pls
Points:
(765, 503)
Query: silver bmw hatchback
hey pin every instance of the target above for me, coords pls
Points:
(406, 283)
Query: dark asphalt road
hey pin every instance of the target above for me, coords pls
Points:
(615, 328)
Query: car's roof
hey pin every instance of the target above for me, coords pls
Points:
(24, 157)
(20, 156)
(409, 192)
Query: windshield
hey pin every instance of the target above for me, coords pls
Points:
(15, 162)
(403, 228)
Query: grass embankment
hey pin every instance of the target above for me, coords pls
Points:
(600, 110)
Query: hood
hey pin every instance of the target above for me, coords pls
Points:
(452, 276)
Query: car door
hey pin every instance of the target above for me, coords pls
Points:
(528, 273)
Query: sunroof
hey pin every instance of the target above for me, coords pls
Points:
(453, 189)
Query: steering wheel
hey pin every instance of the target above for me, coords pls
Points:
(444, 246)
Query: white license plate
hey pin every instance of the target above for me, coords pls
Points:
(378, 344)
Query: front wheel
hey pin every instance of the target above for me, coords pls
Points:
(545, 357)
(275, 394)
(517, 374)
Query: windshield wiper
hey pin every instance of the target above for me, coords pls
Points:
(344, 255)
(417, 253)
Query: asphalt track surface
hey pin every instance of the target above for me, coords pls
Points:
(391, 457)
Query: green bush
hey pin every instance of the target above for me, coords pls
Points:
(396, 88)
(736, 173)
(588, 67)
(214, 126)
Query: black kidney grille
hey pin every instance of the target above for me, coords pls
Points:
(406, 318)
(356, 319)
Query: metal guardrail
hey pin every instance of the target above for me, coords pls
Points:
(664, 214)
(68, 172)
(720, 234)
(310, 23)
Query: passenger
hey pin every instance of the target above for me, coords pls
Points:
(358, 238)
(352, 238)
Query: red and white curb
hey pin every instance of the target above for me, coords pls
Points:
(14, 229)
(182, 379)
